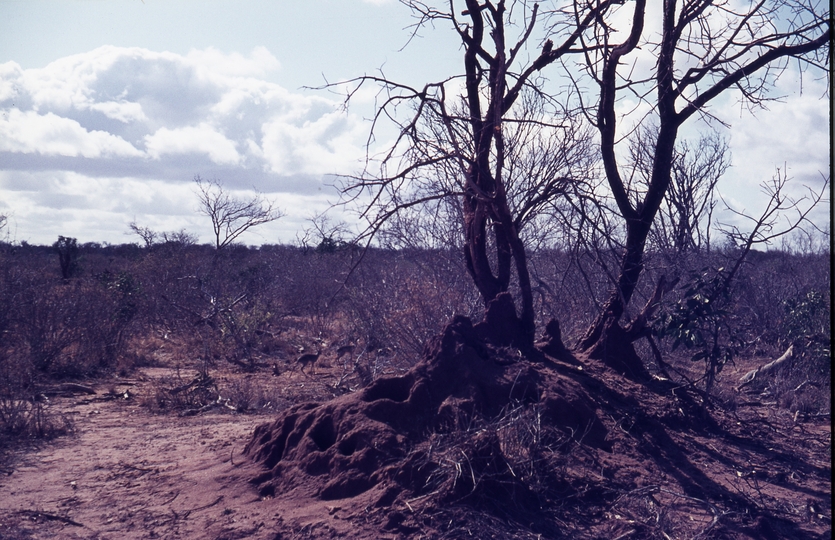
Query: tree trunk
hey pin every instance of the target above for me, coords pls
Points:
(605, 338)
(509, 248)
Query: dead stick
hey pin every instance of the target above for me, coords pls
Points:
(220, 498)
(52, 517)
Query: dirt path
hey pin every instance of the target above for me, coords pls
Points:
(127, 473)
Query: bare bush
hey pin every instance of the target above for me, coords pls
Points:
(398, 300)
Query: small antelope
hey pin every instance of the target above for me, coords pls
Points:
(306, 359)
(345, 349)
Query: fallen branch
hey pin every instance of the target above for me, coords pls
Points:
(67, 388)
(767, 369)
(204, 408)
(220, 402)
(79, 388)
(198, 382)
(219, 498)
(717, 513)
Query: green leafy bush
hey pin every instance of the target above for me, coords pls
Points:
(701, 322)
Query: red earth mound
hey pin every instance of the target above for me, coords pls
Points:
(481, 440)
(378, 442)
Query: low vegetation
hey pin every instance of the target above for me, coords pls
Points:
(252, 309)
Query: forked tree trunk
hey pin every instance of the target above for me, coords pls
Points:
(739, 55)
(509, 249)
(606, 339)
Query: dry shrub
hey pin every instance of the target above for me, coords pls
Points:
(802, 385)
(177, 394)
(398, 300)
(29, 418)
(24, 413)
(45, 320)
(488, 462)
(653, 512)
(794, 390)
(74, 327)
(247, 395)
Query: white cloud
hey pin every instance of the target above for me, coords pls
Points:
(202, 139)
(793, 132)
(10, 74)
(48, 203)
(49, 134)
(325, 144)
(792, 135)
(122, 111)
(116, 124)
(44, 204)
(212, 62)
(113, 102)
(66, 83)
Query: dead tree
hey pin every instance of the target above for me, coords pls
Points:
(705, 48)
(487, 147)
(148, 235)
(232, 217)
(684, 220)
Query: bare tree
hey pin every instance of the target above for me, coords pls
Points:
(324, 235)
(490, 140)
(152, 237)
(232, 217)
(181, 237)
(700, 319)
(705, 49)
(148, 235)
(782, 215)
(4, 228)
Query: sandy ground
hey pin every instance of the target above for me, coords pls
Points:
(128, 473)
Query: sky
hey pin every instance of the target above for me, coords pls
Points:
(109, 108)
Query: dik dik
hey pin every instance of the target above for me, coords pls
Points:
(306, 359)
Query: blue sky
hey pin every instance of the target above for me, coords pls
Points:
(108, 108)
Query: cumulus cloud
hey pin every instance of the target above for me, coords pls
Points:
(93, 141)
(116, 102)
(792, 135)
(49, 134)
(202, 139)
(122, 111)
(310, 147)
(114, 118)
